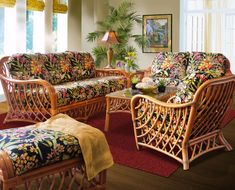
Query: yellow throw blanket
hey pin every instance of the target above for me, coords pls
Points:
(95, 149)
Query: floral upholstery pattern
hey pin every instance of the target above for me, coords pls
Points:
(76, 91)
(170, 65)
(56, 68)
(30, 148)
(202, 67)
(188, 70)
(202, 61)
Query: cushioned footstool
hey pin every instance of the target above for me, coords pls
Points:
(60, 152)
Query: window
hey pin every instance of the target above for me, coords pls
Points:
(208, 25)
(230, 36)
(35, 26)
(59, 25)
(34, 31)
(2, 30)
(60, 28)
(7, 30)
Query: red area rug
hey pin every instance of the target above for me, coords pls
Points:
(122, 144)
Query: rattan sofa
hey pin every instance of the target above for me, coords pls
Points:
(38, 86)
(190, 123)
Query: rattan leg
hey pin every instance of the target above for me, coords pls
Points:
(223, 141)
(185, 158)
(107, 117)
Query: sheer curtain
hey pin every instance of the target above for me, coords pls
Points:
(208, 25)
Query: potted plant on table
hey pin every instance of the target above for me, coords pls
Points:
(161, 85)
(134, 80)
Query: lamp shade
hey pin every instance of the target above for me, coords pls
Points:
(110, 37)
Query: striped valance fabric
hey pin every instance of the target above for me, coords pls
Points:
(35, 5)
(60, 6)
(7, 3)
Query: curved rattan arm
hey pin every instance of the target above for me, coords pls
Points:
(160, 125)
(3, 69)
(112, 72)
(6, 166)
(31, 100)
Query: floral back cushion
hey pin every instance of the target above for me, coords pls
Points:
(170, 65)
(56, 68)
(205, 62)
(191, 83)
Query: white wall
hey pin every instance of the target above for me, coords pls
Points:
(74, 25)
(92, 12)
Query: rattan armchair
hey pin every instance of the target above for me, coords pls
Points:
(188, 130)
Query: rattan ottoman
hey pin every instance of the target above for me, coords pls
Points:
(60, 153)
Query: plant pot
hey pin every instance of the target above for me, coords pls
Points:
(133, 86)
(161, 88)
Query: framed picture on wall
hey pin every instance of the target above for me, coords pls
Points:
(157, 30)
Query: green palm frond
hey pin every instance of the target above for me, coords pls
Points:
(140, 40)
(100, 54)
(92, 36)
(121, 20)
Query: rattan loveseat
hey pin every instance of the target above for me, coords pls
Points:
(38, 86)
(189, 124)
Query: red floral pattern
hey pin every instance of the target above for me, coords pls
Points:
(170, 65)
(56, 68)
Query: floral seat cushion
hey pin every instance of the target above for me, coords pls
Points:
(170, 65)
(30, 147)
(56, 68)
(76, 91)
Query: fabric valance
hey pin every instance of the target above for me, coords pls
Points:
(60, 6)
(7, 3)
(35, 5)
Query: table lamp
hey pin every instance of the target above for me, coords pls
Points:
(110, 38)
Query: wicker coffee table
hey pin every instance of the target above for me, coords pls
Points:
(119, 101)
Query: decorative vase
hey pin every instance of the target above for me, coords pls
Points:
(127, 68)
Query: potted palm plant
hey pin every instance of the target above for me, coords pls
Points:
(121, 20)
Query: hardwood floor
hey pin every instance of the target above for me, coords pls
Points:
(3, 107)
(214, 171)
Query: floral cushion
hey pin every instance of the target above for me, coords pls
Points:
(169, 64)
(201, 67)
(192, 82)
(30, 148)
(203, 62)
(71, 92)
(56, 68)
